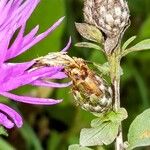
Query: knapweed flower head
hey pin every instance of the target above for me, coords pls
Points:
(90, 90)
(110, 16)
(14, 15)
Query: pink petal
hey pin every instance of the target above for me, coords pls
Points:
(2, 5)
(30, 36)
(50, 84)
(3, 47)
(5, 12)
(19, 15)
(30, 100)
(59, 75)
(26, 13)
(20, 41)
(4, 121)
(67, 46)
(39, 37)
(16, 118)
(27, 78)
(9, 70)
(16, 44)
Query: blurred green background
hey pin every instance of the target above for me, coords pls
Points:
(56, 127)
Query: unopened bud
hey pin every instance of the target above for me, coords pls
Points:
(91, 92)
(110, 16)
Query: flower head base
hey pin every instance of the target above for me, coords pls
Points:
(110, 16)
(91, 92)
(14, 15)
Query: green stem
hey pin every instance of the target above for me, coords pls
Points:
(114, 62)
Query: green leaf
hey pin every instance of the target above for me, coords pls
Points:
(3, 131)
(89, 32)
(78, 147)
(128, 42)
(139, 131)
(143, 45)
(30, 137)
(88, 45)
(144, 31)
(104, 129)
(54, 141)
(4, 145)
(104, 134)
(105, 68)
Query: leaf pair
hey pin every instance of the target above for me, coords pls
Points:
(103, 130)
(90, 33)
(93, 34)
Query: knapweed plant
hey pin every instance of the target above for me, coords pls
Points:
(105, 22)
(98, 90)
(95, 87)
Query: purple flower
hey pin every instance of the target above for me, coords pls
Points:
(14, 15)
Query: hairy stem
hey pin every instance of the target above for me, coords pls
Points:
(114, 61)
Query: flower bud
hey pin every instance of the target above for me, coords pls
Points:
(90, 91)
(110, 16)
